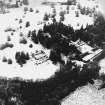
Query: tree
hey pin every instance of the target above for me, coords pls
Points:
(55, 57)
(25, 2)
(46, 17)
(34, 37)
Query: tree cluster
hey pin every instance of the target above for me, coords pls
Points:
(21, 58)
(56, 88)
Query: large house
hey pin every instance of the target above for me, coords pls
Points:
(89, 53)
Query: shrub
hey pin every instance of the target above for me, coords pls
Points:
(25, 9)
(21, 34)
(27, 56)
(9, 61)
(12, 33)
(20, 21)
(4, 59)
(37, 11)
(23, 41)
(31, 10)
(76, 13)
(62, 18)
(29, 33)
(62, 13)
(30, 45)
(20, 27)
(8, 38)
(27, 24)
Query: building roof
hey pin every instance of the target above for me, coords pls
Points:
(85, 48)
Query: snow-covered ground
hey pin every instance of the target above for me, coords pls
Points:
(30, 70)
(86, 95)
